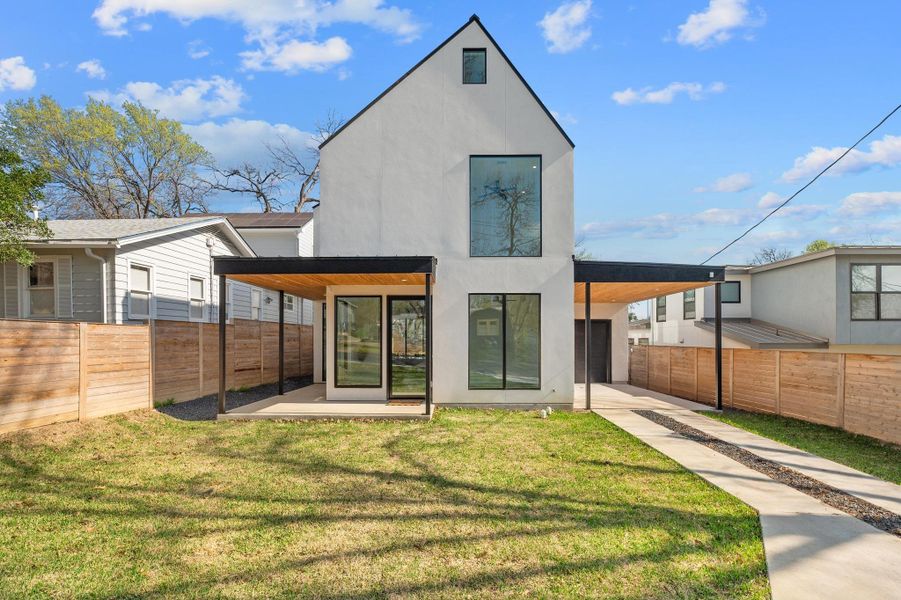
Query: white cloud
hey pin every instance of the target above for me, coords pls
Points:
(15, 74)
(295, 56)
(564, 118)
(882, 153)
(863, 204)
(770, 200)
(238, 140)
(716, 23)
(647, 95)
(282, 30)
(566, 28)
(736, 182)
(184, 100)
(92, 68)
(197, 49)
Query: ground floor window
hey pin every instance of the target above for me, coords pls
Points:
(358, 335)
(196, 298)
(42, 289)
(504, 341)
(407, 361)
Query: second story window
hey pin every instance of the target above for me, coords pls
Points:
(688, 304)
(505, 205)
(731, 292)
(875, 292)
(661, 309)
(474, 65)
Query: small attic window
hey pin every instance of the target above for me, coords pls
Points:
(474, 67)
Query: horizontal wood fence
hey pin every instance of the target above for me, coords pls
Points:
(54, 372)
(186, 356)
(857, 392)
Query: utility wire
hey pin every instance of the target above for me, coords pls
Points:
(807, 185)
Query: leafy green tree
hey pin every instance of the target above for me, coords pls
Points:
(20, 190)
(818, 246)
(106, 163)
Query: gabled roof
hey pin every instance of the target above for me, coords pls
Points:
(472, 19)
(272, 220)
(122, 232)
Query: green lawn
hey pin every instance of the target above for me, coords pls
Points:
(489, 504)
(856, 451)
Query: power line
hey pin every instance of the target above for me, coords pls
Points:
(807, 185)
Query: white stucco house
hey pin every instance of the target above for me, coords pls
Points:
(844, 299)
(135, 270)
(443, 263)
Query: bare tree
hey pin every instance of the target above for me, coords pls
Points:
(765, 256)
(261, 183)
(303, 169)
(581, 252)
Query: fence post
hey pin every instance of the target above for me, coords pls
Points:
(152, 325)
(82, 371)
(732, 378)
(200, 359)
(842, 358)
(778, 382)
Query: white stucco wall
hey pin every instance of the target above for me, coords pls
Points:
(396, 182)
(618, 314)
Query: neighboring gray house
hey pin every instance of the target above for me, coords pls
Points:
(845, 299)
(133, 270)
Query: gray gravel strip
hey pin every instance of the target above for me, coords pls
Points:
(205, 408)
(867, 512)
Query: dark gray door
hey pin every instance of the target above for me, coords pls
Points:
(600, 350)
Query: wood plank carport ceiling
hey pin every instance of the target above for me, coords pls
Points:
(628, 292)
(313, 286)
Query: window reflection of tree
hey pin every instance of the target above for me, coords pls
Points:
(511, 204)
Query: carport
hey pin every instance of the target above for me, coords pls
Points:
(601, 282)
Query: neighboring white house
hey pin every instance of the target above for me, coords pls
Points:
(846, 299)
(133, 270)
(640, 332)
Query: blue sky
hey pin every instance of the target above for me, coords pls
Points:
(689, 117)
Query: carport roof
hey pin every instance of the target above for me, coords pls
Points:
(626, 282)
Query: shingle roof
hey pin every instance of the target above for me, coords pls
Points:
(112, 229)
(267, 220)
(759, 334)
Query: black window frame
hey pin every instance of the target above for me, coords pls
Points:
(484, 52)
(694, 304)
(738, 283)
(335, 341)
(657, 318)
(503, 336)
(540, 158)
(878, 293)
(388, 342)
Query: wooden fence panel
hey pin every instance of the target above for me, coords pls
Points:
(118, 368)
(269, 339)
(707, 376)
(248, 353)
(683, 372)
(809, 387)
(755, 383)
(176, 347)
(638, 366)
(39, 373)
(872, 393)
(305, 339)
(658, 369)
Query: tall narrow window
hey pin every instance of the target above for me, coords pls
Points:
(256, 302)
(730, 292)
(139, 292)
(228, 302)
(42, 289)
(505, 205)
(289, 303)
(358, 341)
(474, 65)
(661, 309)
(688, 304)
(890, 292)
(504, 341)
(196, 299)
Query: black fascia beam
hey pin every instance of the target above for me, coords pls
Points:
(641, 272)
(337, 265)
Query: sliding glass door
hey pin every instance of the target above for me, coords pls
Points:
(406, 371)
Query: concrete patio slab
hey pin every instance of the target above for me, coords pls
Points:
(813, 551)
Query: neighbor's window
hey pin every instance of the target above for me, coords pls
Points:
(256, 302)
(643, 341)
(139, 292)
(289, 303)
(504, 341)
(505, 205)
(42, 289)
(196, 300)
(688, 304)
(358, 341)
(730, 292)
(875, 292)
(228, 301)
(661, 309)
(474, 66)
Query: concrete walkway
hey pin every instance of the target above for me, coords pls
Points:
(813, 551)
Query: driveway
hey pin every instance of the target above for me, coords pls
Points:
(813, 550)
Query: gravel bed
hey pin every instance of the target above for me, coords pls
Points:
(876, 516)
(205, 408)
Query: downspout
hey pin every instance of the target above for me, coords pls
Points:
(103, 291)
